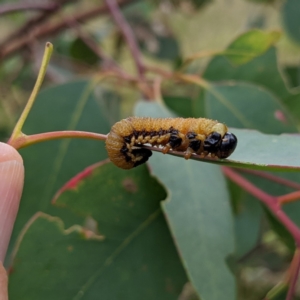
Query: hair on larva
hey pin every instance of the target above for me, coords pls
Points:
(201, 136)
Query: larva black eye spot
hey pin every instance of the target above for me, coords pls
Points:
(212, 142)
(127, 139)
(175, 141)
(195, 145)
(124, 149)
(141, 156)
(228, 145)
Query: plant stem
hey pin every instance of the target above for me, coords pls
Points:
(128, 35)
(268, 200)
(10, 8)
(194, 79)
(108, 62)
(208, 53)
(27, 140)
(38, 28)
(295, 267)
(273, 178)
(18, 128)
(291, 197)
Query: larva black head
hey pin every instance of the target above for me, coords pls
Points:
(221, 147)
(228, 144)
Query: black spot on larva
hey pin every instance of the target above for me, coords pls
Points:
(127, 139)
(173, 131)
(162, 132)
(153, 133)
(195, 145)
(136, 133)
(127, 158)
(175, 141)
(124, 149)
(212, 142)
(142, 155)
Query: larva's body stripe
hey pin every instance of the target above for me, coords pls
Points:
(201, 136)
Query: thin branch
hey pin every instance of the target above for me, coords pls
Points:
(272, 177)
(127, 79)
(107, 60)
(11, 8)
(32, 23)
(27, 140)
(157, 70)
(17, 132)
(268, 200)
(128, 35)
(295, 267)
(24, 36)
(291, 197)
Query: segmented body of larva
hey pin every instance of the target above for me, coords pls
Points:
(201, 136)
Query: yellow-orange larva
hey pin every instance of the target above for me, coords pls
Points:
(201, 136)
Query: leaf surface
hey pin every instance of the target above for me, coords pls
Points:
(129, 254)
(245, 105)
(70, 106)
(199, 216)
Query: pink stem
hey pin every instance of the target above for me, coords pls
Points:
(27, 140)
(128, 35)
(288, 197)
(269, 201)
(10, 8)
(272, 177)
(295, 267)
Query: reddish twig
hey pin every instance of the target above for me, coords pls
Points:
(272, 177)
(33, 30)
(11, 8)
(128, 35)
(32, 23)
(27, 140)
(108, 61)
(295, 267)
(270, 201)
(291, 197)
(157, 70)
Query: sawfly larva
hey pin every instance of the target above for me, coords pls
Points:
(201, 136)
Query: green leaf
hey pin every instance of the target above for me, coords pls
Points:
(261, 70)
(248, 215)
(245, 105)
(248, 210)
(199, 216)
(200, 3)
(131, 255)
(250, 45)
(167, 48)
(80, 51)
(293, 75)
(49, 165)
(182, 106)
(291, 20)
(293, 105)
(160, 44)
(281, 231)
